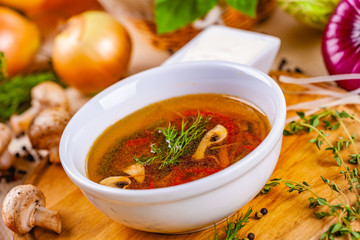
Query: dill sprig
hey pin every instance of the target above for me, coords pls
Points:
(176, 144)
(233, 226)
(343, 211)
(15, 92)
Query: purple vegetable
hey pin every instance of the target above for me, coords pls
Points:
(341, 42)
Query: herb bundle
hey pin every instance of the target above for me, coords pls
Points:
(344, 212)
(176, 142)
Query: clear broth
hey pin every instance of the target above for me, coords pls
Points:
(133, 135)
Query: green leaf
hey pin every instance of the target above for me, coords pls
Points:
(320, 215)
(301, 115)
(247, 7)
(287, 133)
(338, 161)
(315, 122)
(335, 126)
(356, 235)
(344, 114)
(323, 235)
(336, 228)
(174, 14)
(322, 201)
(318, 143)
(325, 180)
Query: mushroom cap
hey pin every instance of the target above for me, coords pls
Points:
(48, 94)
(19, 205)
(5, 137)
(46, 128)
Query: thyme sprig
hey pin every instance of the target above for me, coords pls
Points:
(176, 144)
(233, 226)
(343, 211)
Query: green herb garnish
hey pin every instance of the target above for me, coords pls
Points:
(344, 212)
(176, 144)
(174, 14)
(15, 92)
(233, 227)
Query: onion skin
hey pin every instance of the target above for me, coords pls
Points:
(19, 40)
(92, 52)
(341, 42)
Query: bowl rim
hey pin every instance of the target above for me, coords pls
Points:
(193, 188)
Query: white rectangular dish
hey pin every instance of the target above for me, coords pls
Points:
(229, 44)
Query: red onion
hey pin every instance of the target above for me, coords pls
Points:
(341, 42)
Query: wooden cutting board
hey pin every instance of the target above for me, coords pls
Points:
(288, 214)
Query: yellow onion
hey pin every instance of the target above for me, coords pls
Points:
(19, 40)
(92, 52)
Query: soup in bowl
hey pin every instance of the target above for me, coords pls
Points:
(176, 148)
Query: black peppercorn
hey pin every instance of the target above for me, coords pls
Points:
(264, 211)
(251, 236)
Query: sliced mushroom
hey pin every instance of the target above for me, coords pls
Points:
(24, 208)
(214, 136)
(6, 159)
(46, 129)
(136, 171)
(43, 95)
(116, 182)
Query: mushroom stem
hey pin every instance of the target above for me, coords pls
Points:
(48, 219)
(54, 154)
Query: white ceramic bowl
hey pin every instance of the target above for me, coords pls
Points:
(191, 206)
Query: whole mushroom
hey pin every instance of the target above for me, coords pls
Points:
(24, 208)
(44, 95)
(6, 159)
(46, 129)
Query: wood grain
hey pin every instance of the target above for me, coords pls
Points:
(288, 214)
